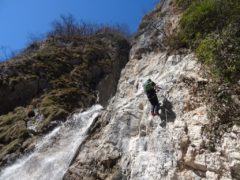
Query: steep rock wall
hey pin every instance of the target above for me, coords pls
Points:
(52, 80)
(127, 143)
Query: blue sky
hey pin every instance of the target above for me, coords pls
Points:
(22, 18)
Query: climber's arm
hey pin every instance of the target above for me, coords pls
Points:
(157, 88)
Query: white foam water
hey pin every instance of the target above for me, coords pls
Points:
(54, 152)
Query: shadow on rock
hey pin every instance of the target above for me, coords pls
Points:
(167, 114)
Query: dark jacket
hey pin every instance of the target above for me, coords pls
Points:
(152, 96)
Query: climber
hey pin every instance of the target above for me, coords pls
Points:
(150, 88)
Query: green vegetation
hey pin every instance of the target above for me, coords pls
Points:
(13, 146)
(184, 4)
(54, 77)
(211, 27)
(13, 130)
(57, 104)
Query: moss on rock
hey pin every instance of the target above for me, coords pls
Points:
(13, 131)
(211, 28)
(53, 79)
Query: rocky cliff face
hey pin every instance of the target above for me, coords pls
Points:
(127, 143)
(40, 87)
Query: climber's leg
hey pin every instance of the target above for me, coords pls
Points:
(152, 110)
(156, 109)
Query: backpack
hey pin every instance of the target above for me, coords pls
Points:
(148, 86)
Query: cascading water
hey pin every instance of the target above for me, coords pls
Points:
(54, 152)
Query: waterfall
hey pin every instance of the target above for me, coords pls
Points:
(54, 152)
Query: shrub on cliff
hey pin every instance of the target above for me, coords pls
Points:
(211, 27)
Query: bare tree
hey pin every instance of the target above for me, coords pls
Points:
(68, 28)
